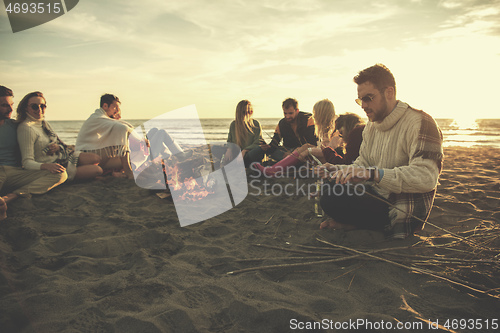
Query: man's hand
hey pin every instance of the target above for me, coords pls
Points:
(351, 174)
(53, 167)
(326, 170)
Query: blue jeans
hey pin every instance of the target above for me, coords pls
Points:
(254, 155)
(348, 204)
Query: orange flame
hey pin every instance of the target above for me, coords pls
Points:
(192, 190)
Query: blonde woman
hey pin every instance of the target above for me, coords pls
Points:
(324, 121)
(247, 134)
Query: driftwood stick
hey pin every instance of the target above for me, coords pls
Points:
(341, 275)
(460, 260)
(263, 268)
(281, 258)
(456, 281)
(270, 219)
(316, 247)
(325, 248)
(447, 247)
(429, 223)
(350, 283)
(291, 250)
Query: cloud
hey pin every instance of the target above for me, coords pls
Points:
(177, 53)
(42, 54)
(469, 13)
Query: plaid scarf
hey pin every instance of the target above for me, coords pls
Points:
(402, 224)
(66, 153)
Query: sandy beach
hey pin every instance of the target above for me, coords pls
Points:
(108, 256)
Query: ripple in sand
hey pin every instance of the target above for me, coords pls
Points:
(54, 263)
(21, 238)
(239, 316)
(176, 321)
(134, 325)
(91, 320)
(465, 207)
(197, 297)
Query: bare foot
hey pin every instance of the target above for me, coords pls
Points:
(332, 224)
(118, 174)
(3, 209)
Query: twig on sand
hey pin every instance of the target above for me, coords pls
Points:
(456, 281)
(341, 275)
(316, 247)
(350, 283)
(263, 268)
(429, 223)
(280, 258)
(292, 250)
(448, 260)
(269, 219)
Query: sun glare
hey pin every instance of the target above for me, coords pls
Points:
(464, 123)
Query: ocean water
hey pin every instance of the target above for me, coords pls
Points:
(478, 133)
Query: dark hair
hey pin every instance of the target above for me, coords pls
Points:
(349, 121)
(4, 91)
(290, 102)
(22, 108)
(109, 99)
(379, 75)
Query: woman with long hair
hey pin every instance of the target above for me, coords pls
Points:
(41, 148)
(246, 133)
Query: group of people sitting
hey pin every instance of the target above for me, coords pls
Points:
(398, 153)
(33, 159)
(328, 138)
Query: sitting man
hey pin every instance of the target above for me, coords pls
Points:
(106, 135)
(400, 157)
(296, 129)
(15, 181)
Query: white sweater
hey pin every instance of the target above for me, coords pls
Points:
(392, 145)
(32, 140)
(407, 146)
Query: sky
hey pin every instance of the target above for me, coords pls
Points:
(159, 56)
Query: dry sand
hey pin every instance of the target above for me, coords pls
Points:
(108, 256)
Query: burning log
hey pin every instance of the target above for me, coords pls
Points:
(191, 179)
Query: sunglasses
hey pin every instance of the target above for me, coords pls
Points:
(367, 99)
(36, 107)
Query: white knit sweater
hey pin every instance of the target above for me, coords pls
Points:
(32, 140)
(391, 145)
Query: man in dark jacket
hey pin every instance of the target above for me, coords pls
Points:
(295, 129)
(14, 180)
